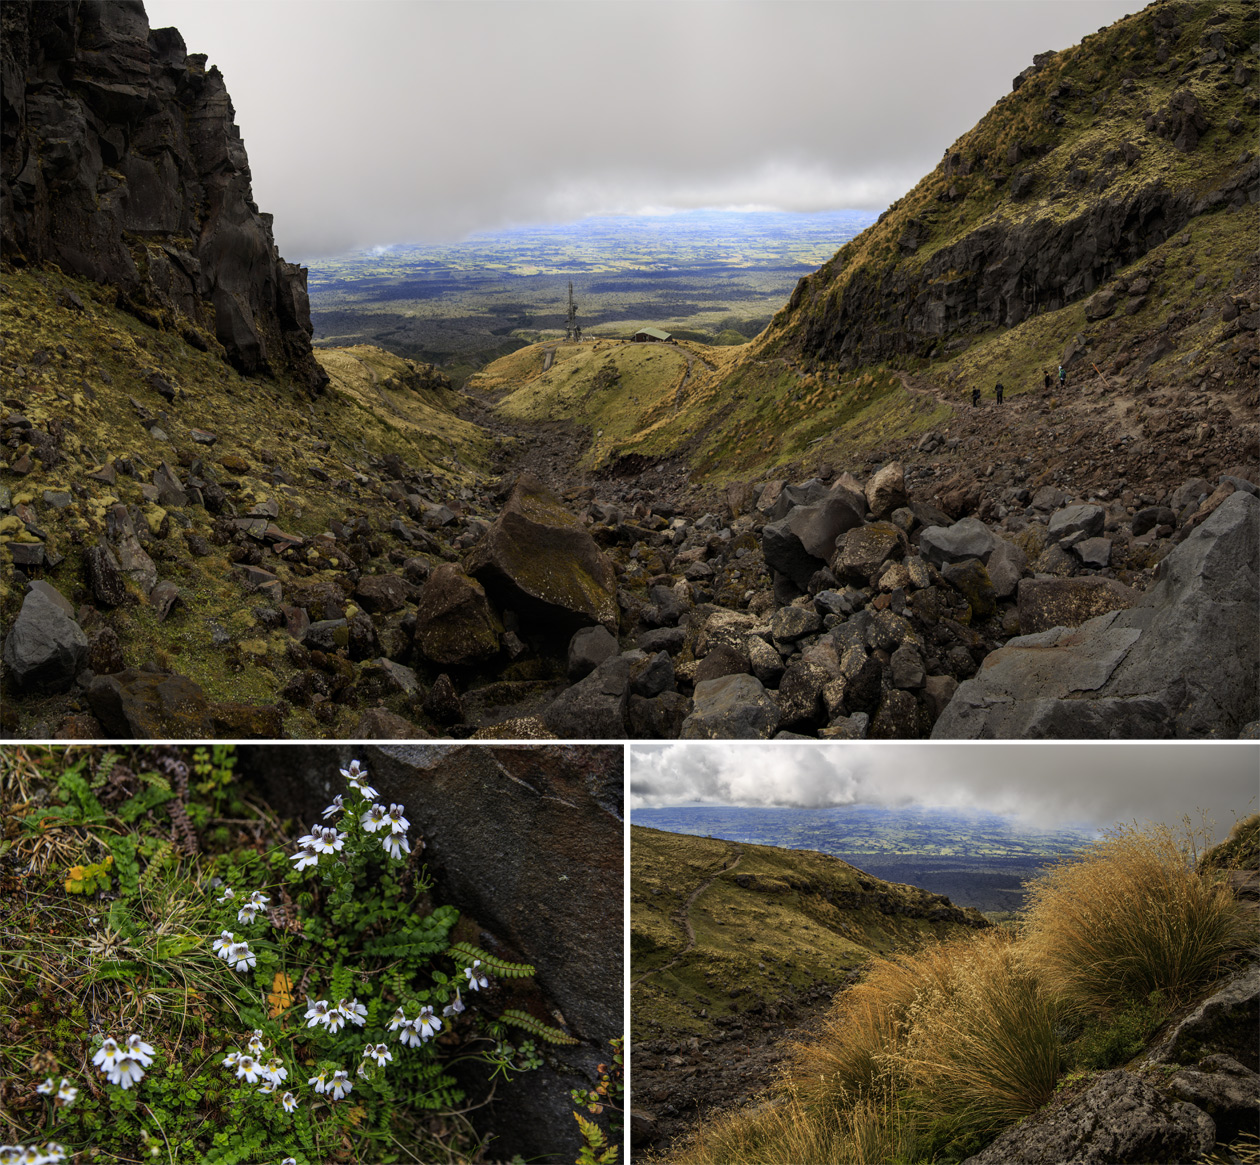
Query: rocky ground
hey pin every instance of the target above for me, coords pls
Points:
(309, 583)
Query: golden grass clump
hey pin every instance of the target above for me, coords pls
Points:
(1129, 916)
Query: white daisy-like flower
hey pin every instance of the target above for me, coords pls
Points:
(246, 914)
(308, 839)
(256, 1045)
(426, 1023)
(227, 895)
(258, 898)
(289, 1101)
(335, 807)
(221, 945)
(354, 1011)
(395, 845)
(240, 957)
(47, 1088)
(275, 1071)
(319, 1083)
(398, 1020)
(66, 1093)
(476, 979)
(231, 1059)
(248, 1069)
(303, 858)
(356, 778)
(137, 1049)
(340, 1085)
(336, 1020)
(108, 1054)
(397, 822)
(456, 1007)
(316, 1011)
(126, 1072)
(267, 1087)
(375, 818)
(378, 1052)
(410, 1037)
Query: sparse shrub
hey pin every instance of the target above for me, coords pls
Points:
(1129, 916)
(1110, 1042)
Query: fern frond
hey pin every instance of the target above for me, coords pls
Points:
(535, 1027)
(466, 954)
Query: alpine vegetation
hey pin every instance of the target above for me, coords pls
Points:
(261, 1000)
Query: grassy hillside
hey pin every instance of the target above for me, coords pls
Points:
(710, 922)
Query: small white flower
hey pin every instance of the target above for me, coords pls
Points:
(378, 1052)
(336, 1020)
(227, 895)
(137, 1049)
(304, 857)
(374, 818)
(316, 1011)
(356, 778)
(456, 1007)
(231, 1059)
(329, 840)
(398, 1020)
(289, 1096)
(397, 822)
(476, 979)
(319, 1083)
(47, 1088)
(54, 1152)
(66, 1093)
(395, 845)
(246, 913)
(126, 1072)
(335, 807)
(258, 899)
(308, 839)
(221, 945)
(240, 957)
(410, 1037)
(354, 1011)
(426, 1023)
(248, 1069)
(107, 1055)
(267, 1087)
(275, 1071)
(290, 1103)
(340, 1085)
(256, 1045)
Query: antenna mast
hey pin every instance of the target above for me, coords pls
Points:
(572, 331)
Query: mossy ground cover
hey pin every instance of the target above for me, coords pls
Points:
(116, 869)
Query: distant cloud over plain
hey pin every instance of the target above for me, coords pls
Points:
(1097, 784)
(373, 122)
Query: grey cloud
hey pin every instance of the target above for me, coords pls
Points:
(1069, 783)
(374, 122)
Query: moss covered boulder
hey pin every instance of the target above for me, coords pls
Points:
(455, 624)
(537, 560)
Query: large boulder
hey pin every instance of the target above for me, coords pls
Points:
(1069, 602)
(1120, 1117)
(1180, 663)
(527, 843)
(819, 525)
(966, 538)
(886, 490)
(734, 707)
(594, 708)
(45, 647)
(455, 624)
(145, 705)
(537, 560)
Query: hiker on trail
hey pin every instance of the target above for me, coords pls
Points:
(1062, 376)
(1046, 381)
(999, 390)
(975, 398)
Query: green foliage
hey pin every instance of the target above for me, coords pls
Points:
(90, 878)
(605, 1099)
(1112, 1041)
(595, 1147)
(535, 1027)
(466, 954)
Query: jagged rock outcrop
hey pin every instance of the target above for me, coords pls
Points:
(121, 163)
(1181, 662)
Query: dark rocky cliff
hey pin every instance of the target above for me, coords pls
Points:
(1099, 154)
(121, 163)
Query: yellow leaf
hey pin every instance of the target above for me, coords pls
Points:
(280, 995)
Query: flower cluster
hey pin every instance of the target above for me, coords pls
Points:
(123, 1066)
(339, 1086)
(254, 1066)
(334, 1018)
(237, 955)
(414, 1032)
(65, 1093)
(32, 1155)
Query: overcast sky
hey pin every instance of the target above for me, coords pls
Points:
(1050, 784)
(370, 122)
